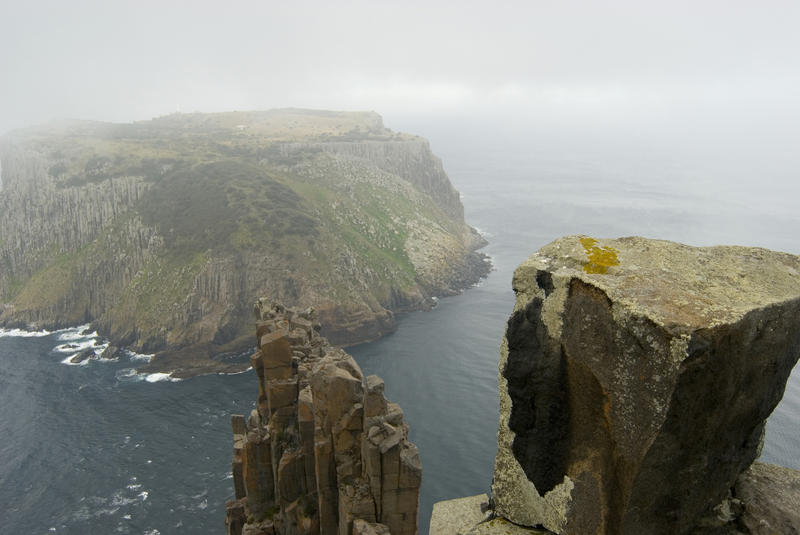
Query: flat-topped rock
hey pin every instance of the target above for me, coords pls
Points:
(671, 283)
(635, 379)
(459, 516)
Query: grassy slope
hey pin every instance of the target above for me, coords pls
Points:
(219, 187)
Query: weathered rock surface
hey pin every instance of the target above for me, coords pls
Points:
(636, 378)
(324, 452)
(771, 498)
(160, 232)
(472, 516)
(459, 516)
(110, 352)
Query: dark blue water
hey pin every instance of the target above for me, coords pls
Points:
(96, 449)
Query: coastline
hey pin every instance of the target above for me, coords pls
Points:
(233, 357)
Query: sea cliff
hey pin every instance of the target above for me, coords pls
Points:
(159, 232)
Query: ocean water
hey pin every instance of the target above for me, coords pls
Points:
(96, 448)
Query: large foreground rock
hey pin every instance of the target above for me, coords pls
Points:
(635, 380)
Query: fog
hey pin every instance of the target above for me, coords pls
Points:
(565, 61)
(711, 80)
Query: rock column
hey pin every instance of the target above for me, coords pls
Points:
(324, 452)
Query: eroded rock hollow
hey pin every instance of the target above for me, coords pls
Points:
(324, 452)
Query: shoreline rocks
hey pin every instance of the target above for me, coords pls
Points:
(82, 356)
(635, 380)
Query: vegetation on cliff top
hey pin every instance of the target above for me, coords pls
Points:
(164, 232)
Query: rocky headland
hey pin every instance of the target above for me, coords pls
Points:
(324, 452)
(635, 380)
(161, 232)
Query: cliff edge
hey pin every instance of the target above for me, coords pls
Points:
(636, 377)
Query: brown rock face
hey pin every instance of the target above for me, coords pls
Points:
(324, 453)
(635, 380)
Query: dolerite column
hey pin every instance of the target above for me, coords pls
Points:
(323, 454)
(635, 380)
(337, 392)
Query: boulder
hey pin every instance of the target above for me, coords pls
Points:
(82, 356)
(771, 495)
(110, 352)
(635, 380)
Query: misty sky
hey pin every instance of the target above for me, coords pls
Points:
(123, 61)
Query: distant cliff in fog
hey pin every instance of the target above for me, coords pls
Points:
(162, 232)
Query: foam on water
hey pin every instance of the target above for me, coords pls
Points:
(138, 356)
(126, 374)
(120, 502)
(236, 373)
(132, 375)
(75, 333)
(158, 377)
(74, 347)
(68, 361)
(21, 333)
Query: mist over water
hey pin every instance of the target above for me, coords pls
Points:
(93, 449)
(524, 187)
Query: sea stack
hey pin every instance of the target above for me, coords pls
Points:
(635, 380)
(324, 452)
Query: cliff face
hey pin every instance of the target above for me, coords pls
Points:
(159, 232)
(636, 377)
(410, 159)
(324, 452)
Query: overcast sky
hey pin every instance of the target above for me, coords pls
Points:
(122, 61)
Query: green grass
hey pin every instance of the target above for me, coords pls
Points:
(218, 191)
(51, 284)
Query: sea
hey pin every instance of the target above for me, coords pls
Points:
(98, 448)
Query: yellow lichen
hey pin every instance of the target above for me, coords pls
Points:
(600, 258)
